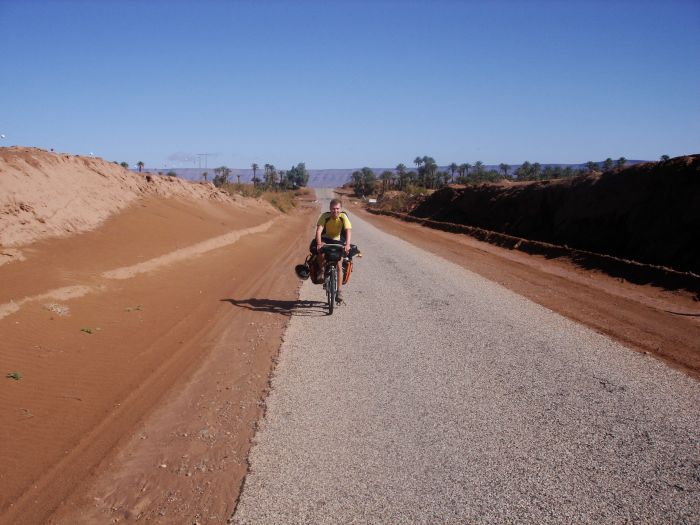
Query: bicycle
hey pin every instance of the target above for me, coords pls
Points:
(332, 254)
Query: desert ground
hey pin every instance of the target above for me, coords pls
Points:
(141, 322)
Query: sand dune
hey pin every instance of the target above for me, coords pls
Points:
(45, 194)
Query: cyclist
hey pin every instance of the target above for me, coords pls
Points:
(333, 228)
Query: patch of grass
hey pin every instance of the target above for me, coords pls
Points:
(136, 308)
(303, 192)
(90, 330)
(245, 190)
(283, 200)
(413, 190)
(399, 203)
(14, 375)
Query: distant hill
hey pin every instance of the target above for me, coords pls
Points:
(330, 178)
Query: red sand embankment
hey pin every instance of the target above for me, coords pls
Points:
(45, 194)
(648, 213)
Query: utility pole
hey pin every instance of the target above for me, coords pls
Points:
(206, 156)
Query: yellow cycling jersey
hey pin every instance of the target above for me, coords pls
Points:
(334, 227)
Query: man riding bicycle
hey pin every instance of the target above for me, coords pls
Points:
(333, 228)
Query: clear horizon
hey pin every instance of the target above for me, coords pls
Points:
(342, 85)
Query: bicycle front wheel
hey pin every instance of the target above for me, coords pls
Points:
(331, 288)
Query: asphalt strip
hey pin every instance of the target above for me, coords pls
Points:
(436, 396)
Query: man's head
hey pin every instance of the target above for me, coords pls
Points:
(336, 206)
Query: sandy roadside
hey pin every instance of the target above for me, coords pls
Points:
(139, 392)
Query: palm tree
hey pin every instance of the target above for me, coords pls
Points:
(401, 173)
(270, 175)
(418, 161)
(401, 170)
(204, 176)
(140, 165)
(411, 178)
(255, 169)
(429, 169)
(453, 167)
(357, 183)
(368, 179)
(386, 178)
(222, 175)
(524, 171)
(462, 169)
(608, 164)
(504, 168)
(536, 170)
(621, 162)
(444, 178)
(266, 173)
(592, 166)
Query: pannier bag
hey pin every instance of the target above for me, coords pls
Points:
(347, 270)
(316, 276)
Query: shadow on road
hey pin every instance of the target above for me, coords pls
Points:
(275, 306)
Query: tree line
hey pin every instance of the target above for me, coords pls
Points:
(427, 174)
(296, 177)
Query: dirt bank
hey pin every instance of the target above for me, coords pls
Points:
(45, 194)
(648, 212)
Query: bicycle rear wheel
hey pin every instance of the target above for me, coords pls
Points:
(331, 288)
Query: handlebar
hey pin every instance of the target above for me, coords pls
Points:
(330, 248)
(339, 249)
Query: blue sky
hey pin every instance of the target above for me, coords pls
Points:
(350, 84)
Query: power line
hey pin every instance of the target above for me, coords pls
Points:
(206, 156)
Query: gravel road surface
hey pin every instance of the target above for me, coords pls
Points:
(435, 396)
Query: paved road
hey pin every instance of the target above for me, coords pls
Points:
(435, 396)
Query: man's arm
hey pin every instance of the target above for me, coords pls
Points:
(348, 236)
(319, 229)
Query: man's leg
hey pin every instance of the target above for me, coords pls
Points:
(340, 279)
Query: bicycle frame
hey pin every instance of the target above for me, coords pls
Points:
(333, 253)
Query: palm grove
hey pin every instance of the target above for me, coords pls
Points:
(296, 177)
(427, 174)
